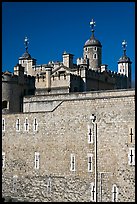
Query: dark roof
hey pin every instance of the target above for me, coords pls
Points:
(26, 55)
(124, 58)
(92, 42)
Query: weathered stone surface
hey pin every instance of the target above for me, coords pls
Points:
(63, 132)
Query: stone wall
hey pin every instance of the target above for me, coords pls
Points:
(62, 132)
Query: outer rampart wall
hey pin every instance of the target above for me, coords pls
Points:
(62, 132)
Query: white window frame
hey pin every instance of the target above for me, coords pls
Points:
(26, 119)
(131, 131)
(92, 198)
(94, 56)
(35, 122)
(18, 122)
(15, 177)
(90, 130)
(90, 162)
(72, 163)
(114, 186)
(95, 48)
(3, 159)
(131, 151)
(37, 160)
(3, 124)
(49, 185)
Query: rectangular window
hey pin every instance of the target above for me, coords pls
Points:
(114, 193)
(90, 133)
(37, 158)
(93, 197)
(131, 134)
(18, 125)
(90, 162)
(35, 125)
(72, 164)
(49, 185)
(131, 156)
(15, 183)
(26, 125)
(3, 124)
(3, 159)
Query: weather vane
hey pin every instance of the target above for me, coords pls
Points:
(26, 42)
(124, 45)
(92, 23)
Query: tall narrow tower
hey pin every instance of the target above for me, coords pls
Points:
(93, 50)
(26, 60)
(124, 65)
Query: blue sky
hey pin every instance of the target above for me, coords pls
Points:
(55, 27)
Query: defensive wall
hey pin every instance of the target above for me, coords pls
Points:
(63, 130)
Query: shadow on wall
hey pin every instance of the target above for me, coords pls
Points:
(9, 199)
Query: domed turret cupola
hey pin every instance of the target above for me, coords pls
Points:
(93, 50)
(124, 64)
(26, 60)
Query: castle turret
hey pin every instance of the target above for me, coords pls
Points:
(93, 50)
(68, 60)
(48, 78)
(124, 65)
(26, 60)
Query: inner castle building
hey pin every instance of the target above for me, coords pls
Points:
(68, 130)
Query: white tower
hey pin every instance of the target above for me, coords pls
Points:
(93, 50)
(26, 60)
(124, 65)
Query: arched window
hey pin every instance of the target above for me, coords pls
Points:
(95, 56)
(95, 48)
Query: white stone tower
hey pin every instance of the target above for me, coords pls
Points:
(124, 65)
(26, 60)
(93, 50)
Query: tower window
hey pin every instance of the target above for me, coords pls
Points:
(86, 48)
(93, 192)
(35, 125)
(18, 125)
(86, 56)
(3, 159)
(95, 56)
(131, 135)
(49, 185)
(90, 133)
(15, 183)
(131, 156)
(72, 164)
(26, 125)
(95, 48)
(3, 124)
(90, 168)
(114, 193)
(37, 157)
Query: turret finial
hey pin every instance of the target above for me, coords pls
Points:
(124, 45)
(26, 42)
(92, 23)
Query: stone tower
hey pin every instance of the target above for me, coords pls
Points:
(26, 60)
(124, 65)
(93, 50)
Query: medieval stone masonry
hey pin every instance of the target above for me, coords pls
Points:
(66, 136)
